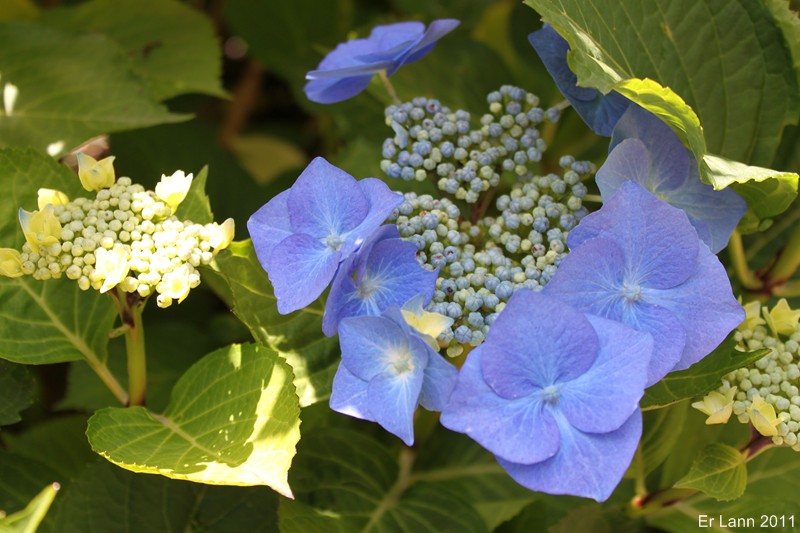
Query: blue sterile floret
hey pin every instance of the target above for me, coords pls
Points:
(388, 369)
(645, 150)
(639, 260)
(600, 112)
(303, 234)
(348, 69)
(384, 272)
(554, 394)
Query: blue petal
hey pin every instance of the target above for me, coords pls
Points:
(705, 307)
(669, 336)
(300, 269)
(325, 201)
(347, 83)
(349, 395)
(518, 430)
(604, 398)
(632, 161)
(535, 342)
(333, 90)
(438, 382)
(382, 201)
(659, 242)
(393, 400)
(268, 226)
(436, 30)
(600, 112)
(588, 464)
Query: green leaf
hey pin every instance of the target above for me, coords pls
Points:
(16, 392)
(719, 472)
(28, 520)
(92, 90)
(21, 479)
(701, 377)
(195, 206)
(297, 337)
(172, 46)
(53, 321)
(648, 52)
(109, 499)
(233, 420)
(662, 429)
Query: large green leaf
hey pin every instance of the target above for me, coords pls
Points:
(28, 519)
(297, 337)
(16, 391)
(711, 95)
(233, 419)
(719, 472)
(172, 46)
(701, 377)
(52, 321)
(662, 429)
(70, 89)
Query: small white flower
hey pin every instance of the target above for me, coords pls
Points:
(94, 174)
(10, 263)
(172, 190)
(51, 197)
(111, 265)
(222, 237)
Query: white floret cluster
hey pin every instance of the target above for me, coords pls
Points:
(126, 237)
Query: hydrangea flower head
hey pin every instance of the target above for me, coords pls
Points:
(638, 260)
(600, 112)
(645, 150)
(384, 272)
(386, 371)
(303, 234)
(554, 394)
(348, 69)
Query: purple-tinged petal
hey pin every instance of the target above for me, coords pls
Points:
(300, 269)
(519, 430)
(565, 345)
(669, 336)
(370, 343)
(438, 382)
(436, 30)
(705, 307)
(326, 201)
(268, 226)
(605, 397)
(631, 160)
(382, 201)
(349, 395)
(659, 242)
(588, 464)
(390, 276)
(600, 112)
(334, 90)
(393, 399)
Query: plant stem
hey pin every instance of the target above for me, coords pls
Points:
(593, 198)
(788, 260)
(389, 87)
(790, 289)
(108, 379)
(130, 308)
(736, 251)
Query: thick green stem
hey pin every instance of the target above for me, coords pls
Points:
(130, 308)
(736, 251)
(788, 260)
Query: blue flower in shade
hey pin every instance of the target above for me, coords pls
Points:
(638, 260)
(348, 69)
(383, 273)
(645, 150)
(554, 394)
(599, 111)
(387, 369)
(303, 234)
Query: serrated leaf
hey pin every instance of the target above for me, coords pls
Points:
(195, 206)
(16, 391)
(92, 90)
(28, 520)
(53, 321)
(619, 45)
(233, 419)
(719, 472)
(699, 378)
(297, 337)
(172, 46)
(109, 499)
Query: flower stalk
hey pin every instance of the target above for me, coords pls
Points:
(130, 307)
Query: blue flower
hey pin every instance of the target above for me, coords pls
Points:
(383, 273)
(645, 150)
(303, 234)
(348, 69)
(638, 260)
(599, 111)
(554, 394)
(387, 369)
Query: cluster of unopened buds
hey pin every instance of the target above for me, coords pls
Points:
(126, 237)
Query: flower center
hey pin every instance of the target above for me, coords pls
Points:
(631, 292)
(549, 394)
(367, 287)
(334, 242)
(401, 362)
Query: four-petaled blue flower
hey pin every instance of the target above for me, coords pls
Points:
(645, 150)
(600, 112)
(303, 234)
(554, 394)
(348, 69)
(387, 369)
(638, 260)
(383, 273)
